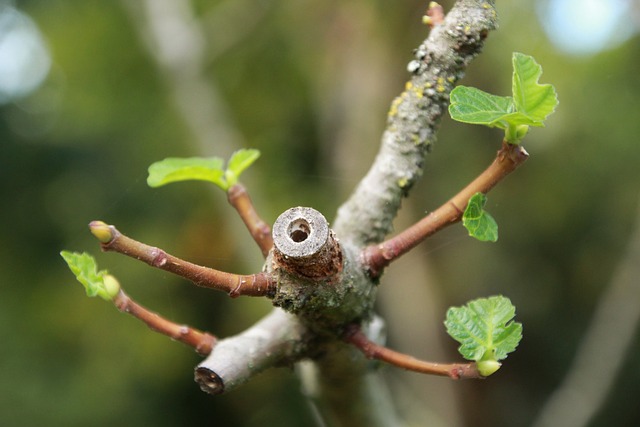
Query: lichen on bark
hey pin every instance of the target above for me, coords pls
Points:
(413, 119)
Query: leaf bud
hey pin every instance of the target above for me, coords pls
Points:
(101, 231)
(111, 286)
(521, 131)
(488, 367)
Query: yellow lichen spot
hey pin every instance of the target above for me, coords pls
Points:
(394, 106)
(418, 92)
(428, 85)
(486, 5)
(433, 4)
(451, 79)
(440, 80)
(467, 28)
(440, 88)
(402, 182)
(408, 86)
(426, 20)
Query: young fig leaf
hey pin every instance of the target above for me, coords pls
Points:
(533, 100)
(485, 330)
(471, 105)
(174, 169)
(210, 169)
(478, 222)
(239, 161)
(530, 104)
(96, 283)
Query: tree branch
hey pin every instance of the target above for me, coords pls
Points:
(202, 342)
(345, 383)
(277, 340)
(377, 257)
(260, 230)
(372, 350)
(413, 119)
(111, 239)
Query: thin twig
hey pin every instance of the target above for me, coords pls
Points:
(377, 257)
(260, 230)
(202, 342)
(111, 239)
(372, 350)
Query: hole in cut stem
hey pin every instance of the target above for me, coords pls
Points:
(299, 230)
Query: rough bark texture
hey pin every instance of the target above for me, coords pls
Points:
(278, 339)
(413, 120)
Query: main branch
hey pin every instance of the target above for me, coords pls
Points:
(413, 119)
(277, 340)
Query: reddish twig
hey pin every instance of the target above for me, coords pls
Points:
(111, 239)
(260, 230)
(202, 342)
(377, 257)
(372, 350)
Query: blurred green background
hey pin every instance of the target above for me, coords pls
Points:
(92, 92)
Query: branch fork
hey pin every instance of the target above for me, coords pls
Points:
(323, 289)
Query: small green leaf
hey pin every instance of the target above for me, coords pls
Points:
(530, 104)
(96, 283)
(239, 161)
(533, 100)
(471, 105)
(174, 169)
(210, 169)
(485, 330)
(477, 221)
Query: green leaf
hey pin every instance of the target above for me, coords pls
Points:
(485, 330)
(210, 169)
(239, 161)
(477, 221)
(530, 104)
(174, 169)
(533, 100)
(96, 283)
(471, 105)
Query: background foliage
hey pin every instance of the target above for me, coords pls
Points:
(307, 83)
